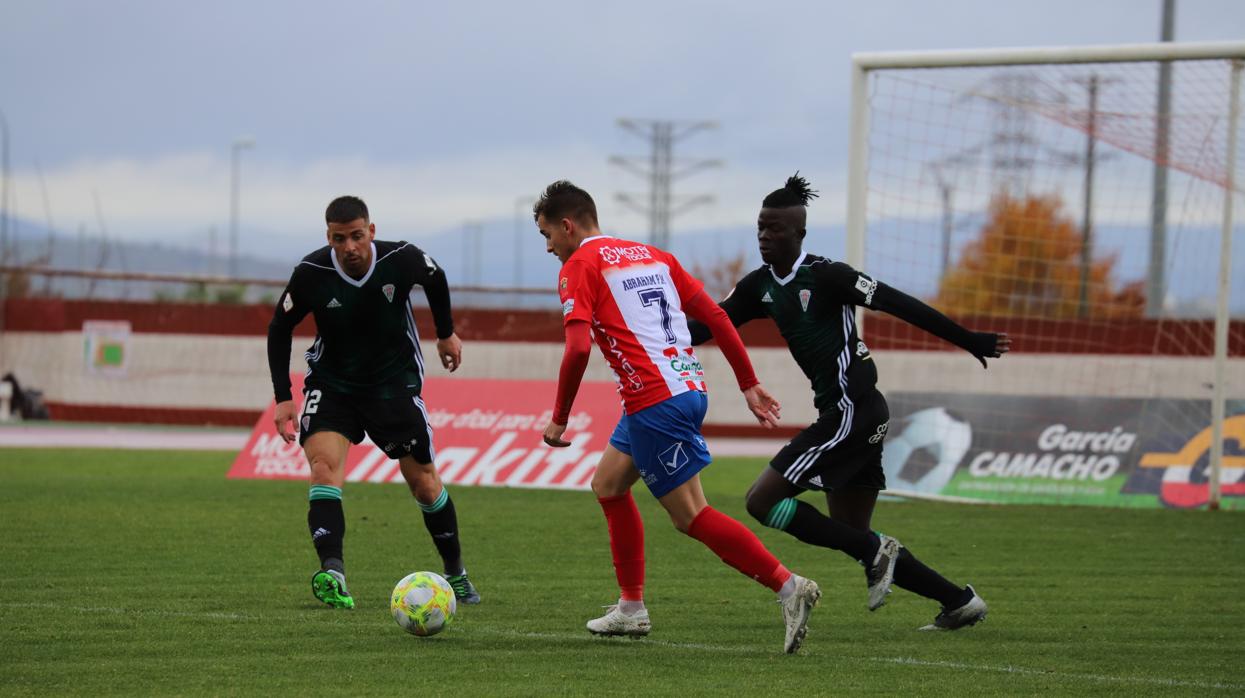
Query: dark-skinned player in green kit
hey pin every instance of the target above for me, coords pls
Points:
(813, 300)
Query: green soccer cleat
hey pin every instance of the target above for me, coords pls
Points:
(329, 586)
(464, 590)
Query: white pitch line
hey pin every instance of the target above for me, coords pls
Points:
(727, 649)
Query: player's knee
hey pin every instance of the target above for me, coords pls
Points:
(321, 469)
(758, 506)
(604, 485)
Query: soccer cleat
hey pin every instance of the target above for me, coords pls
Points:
(795, 611)
(615, 622)
(464, 590)
(881, 574)
(970, 613)
(330, 587)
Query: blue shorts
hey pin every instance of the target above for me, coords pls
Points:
(664, 441)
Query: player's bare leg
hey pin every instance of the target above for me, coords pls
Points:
(441, 520)
(326, 456)
(612, 484)
(740, 548)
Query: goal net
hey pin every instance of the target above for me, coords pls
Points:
(1081, 201)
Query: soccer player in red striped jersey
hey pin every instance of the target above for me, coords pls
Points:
(634, 300)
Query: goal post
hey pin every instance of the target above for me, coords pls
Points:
(1015, 189)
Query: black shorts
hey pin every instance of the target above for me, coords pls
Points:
(842, 449)
(398, 425)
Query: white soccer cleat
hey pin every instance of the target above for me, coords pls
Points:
(970, 613)
(795, 611)
(617, 623)
(881, 574)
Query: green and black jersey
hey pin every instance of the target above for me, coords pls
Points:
(366, 341)
(814, 309)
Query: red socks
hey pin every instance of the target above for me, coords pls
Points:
(626, 544)
(737, 546)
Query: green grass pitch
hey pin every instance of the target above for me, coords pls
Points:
(128, 572)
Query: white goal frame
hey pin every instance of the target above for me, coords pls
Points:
(865, 63)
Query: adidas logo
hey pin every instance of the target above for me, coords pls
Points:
(816, 480)
(334, 304)
(766, 298)
(319, 532)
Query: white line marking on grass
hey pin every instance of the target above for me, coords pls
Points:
(726, 649)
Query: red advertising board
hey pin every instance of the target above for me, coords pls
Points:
(486, 432)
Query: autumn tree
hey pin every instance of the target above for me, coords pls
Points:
(1027, 263)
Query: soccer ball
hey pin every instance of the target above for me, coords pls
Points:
(423, 603)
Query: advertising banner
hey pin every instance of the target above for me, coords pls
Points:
(485, 432)
(1097, 451)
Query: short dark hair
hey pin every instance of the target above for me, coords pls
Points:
(344, 209)
(795, 192)
(565, 200)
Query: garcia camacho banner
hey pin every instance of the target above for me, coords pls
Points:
(486, 432)
(1098, 451)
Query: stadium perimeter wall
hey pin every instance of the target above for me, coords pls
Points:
(207, 364)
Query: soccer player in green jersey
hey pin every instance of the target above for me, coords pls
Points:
(365, 372)
(813, 300)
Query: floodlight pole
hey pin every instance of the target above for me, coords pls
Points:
(4, 192)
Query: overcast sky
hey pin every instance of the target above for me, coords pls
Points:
(441, 112)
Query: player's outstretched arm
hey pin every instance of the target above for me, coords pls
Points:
(574, 362)
(860, 289)
(982, 345)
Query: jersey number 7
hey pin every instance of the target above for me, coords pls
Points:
(648, 297)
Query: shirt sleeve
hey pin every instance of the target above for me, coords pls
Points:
(291, 308)
(425, 272)
(741, 305)
(578, 289)
(860, 289)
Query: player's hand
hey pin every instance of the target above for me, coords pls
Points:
(450, 350)
(553, 435)
(763, 405)
(1002, 345)
(284, 419)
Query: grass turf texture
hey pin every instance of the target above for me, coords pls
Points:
(148, 572)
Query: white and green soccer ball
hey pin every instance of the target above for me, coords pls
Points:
(423, 603)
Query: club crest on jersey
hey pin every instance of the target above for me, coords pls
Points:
(387, 289)
(562, 285)
(288, 303)
(805, 296)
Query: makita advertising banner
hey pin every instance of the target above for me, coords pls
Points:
(1101, 451)
(486, 432)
